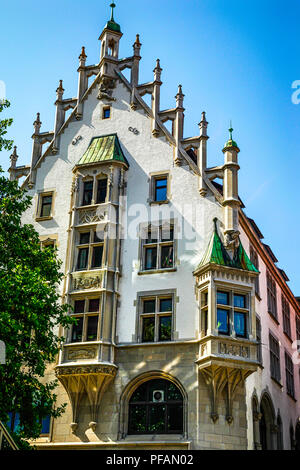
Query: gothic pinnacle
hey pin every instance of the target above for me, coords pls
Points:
(203, 125)
(83, 54)
(14, 157)
(60, 90)
(37, 124)
(179, 97)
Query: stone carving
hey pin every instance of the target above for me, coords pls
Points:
(233, 350)
(74, 354)
(203, 349)
(88, 369)
(85, 282)
(106, 87)
(91, 216)
(134, 130)
(77, 139)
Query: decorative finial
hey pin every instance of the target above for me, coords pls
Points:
(230, 130)
(137, 40)
(203, 125)
(215, 224)
(14, 157)
(112, 6)
(83, 54)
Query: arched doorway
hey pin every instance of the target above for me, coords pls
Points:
(267, 426)
(156, 407)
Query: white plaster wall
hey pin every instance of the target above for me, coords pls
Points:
(145, 154)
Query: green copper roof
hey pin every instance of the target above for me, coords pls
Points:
(111, 24)
(217, 254)
(103, 149)
(230, 142)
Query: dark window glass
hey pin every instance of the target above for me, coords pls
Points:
(148, 329)
(83, 254)
(167, 234)
(79, 306)
(77, 331)
(87, 193)
(137, 419)
(239, 301)
(258, 337)
(274, 358)
(223, 298)
(165, 328)
(149, 306)
(98, 236)
(240, 325)
(289, 371)
(222, 321)
(167, 256)
(148, 416)
(161, 189)
(94, 305)
(101, 191)
(46, 206)
(151, 255)
(106, 113)
(165, 305)
(92, 327)
(175, 418)
(97, 257)
(46, 425)
(84, 238)
(152, 235)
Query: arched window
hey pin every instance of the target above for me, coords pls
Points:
(156, 407)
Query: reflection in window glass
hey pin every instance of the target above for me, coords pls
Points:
(148, 329)
(222, 321)
(240, 324)
(161, 189)
(222, 298)
(239, 301)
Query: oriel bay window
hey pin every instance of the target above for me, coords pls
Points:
(233, 313)
(86, 312)
(89, 247)
(158, 248)
(156, 318)
(94, 191)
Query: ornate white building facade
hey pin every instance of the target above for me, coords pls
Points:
(186, 327)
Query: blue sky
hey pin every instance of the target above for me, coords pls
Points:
(236, 59)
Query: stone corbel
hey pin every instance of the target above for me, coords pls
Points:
(74, 386)
(95, 387)
(215, 379)
(106, 86)
(234, 377)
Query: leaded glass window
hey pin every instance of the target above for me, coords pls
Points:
(156, 407)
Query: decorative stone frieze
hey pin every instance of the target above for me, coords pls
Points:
(87, 281)
(82, 353)
(91, 216)
(234, 350)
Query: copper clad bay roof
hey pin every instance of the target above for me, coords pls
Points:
(103, 149)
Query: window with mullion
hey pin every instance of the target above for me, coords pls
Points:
(286, 316)
(272, 296)
(156, 319)
(86, 311)
(233, 307)
(274, 358)
(158, 248)
(89, 250)
(289, 372)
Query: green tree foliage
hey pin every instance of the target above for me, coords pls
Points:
(30, 312)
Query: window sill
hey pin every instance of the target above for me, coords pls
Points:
(291, 397)
(274, 318)
(151, 202)
(41, 219)
(279, 384)
(157, 271)
(288, 337)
